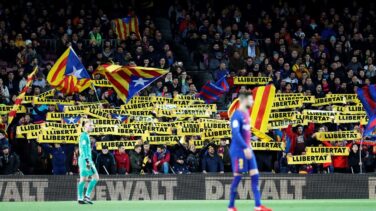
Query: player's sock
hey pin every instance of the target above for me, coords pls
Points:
(234, 190)
(80, 191)
(255, 190)
(90, 187)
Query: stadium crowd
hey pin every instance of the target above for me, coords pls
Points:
(332, 52)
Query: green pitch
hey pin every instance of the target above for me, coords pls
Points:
(277, 205)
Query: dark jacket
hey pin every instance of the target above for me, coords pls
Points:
(212, 164)
(59, 157)
(107, 161)
(136, 162)
(9, 164)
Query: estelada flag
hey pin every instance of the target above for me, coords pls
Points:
(129, 80)
(68, 74)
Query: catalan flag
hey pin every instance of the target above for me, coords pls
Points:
(127, 80)
(263, 97)
(21, 96)
(367, 96)
(68, 75)
(211, 92)
(124, 26)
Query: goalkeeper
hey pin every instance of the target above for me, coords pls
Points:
(86, 165)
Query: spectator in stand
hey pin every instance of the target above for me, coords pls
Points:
(3, 139)
(147, 164)
(223, 152)
(9, 161)
(193, 159)
(161, 159)
(211, 162)
(300, 138)
(180, 157)
(355, 161)
(105, 162)
(136, 159)
(122, 160)
(59, 157)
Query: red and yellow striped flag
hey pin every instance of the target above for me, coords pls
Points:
(263, 97)
(124, 26)
(127, 80)
(21, 96)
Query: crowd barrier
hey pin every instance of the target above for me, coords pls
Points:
(190, 187)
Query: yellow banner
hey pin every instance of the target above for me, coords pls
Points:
(27, 100)
(356, 109)
(338, 136)
(79, 108)
(189, 131)
(287, 104)
(101, 83)
(97, 113)
(130, 132)
(308, 159)
(280, 124)
(350, 98)
(65, 139)
(214, 125)
(104, 130)
(191, 113)
(268, 146)
(211, 107)
(114, 111)
(57, 116)
(349, 118)
(106, 122)
(137, 106)
(168, 140)
(50, 131)
(248, 80)
(337, 99)
(32, 135)
(336, 151)
(59, 125)
(24, 129)
(6, 109)
(46, 101)
(113, 145)
(199, 144)
(216, 134)
(49, 93)
(158, 130)
(282, 115)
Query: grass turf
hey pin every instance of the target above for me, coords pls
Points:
(276, 205)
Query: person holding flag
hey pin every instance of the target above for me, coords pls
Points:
(86, 165)
(242, 157)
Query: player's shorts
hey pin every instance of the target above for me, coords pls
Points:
(84, 171)
(240, 164)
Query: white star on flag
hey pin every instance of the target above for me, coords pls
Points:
(139, 81)
(77, 72)
(119, 118)
(71, 120)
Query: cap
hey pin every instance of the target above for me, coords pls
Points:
(104, 147)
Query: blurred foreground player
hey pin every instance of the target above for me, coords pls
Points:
(242, 157)
(86, 166)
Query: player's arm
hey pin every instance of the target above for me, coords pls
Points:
(236, 134)
(238, 138)
(85, 150)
